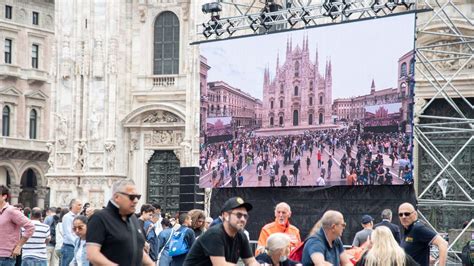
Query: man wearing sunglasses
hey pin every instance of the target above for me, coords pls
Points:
(114, 235)
(325, 246)
(224, 243)
(417, 237)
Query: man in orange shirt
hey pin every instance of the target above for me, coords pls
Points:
(280, 225)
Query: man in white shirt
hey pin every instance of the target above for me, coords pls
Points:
(69, 237)
(34, 250)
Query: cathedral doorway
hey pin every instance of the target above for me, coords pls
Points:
(29, 182)
(310, 119)
(321, 118)
(163, 181)
(281, 121)
(295, 118)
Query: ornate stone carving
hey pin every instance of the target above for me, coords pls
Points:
(66, 63)
(63, 198)
(148, 154)
(96, 160)
(61, 130)
(94, 122)
(52, 65)
(133, 142)
(62, 181)
(96, 198)
(110, 149)
(80, 156)
(112, 62)
(15, 190)
(178, 153)
(142, 12)
(160, 117)
(98, 64)
(95, 182)
(50, 148)
(41, 192)
(163, 137)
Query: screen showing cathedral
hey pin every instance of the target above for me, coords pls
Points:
(320, 106)
(219, 129)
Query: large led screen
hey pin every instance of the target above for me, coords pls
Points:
(315, 107)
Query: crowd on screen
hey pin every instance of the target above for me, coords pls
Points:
(117, 235)
(362, 162)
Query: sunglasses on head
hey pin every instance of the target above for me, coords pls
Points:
(131, 197)
(401, 214)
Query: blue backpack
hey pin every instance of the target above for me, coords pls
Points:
(177, 244)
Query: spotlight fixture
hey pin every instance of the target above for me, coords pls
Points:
(333, 8)
(270, 7)
(214, 7)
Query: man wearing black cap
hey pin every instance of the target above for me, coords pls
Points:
(363, 235)
(224, 243)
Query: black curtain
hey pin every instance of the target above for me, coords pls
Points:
(309, 204)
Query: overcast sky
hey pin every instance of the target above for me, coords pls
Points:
(359, 51)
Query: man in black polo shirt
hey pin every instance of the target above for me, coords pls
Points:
(114, 235)
(224, 243)
(417, 237)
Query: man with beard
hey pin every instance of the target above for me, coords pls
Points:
(223, 244)
(280, 225)
(114, 235)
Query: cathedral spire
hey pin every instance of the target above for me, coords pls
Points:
(278, 61)
(372, 87)
(316, 61)
(266, 76)
(330, 69)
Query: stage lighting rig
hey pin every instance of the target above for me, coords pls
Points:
(212, 26)
(266, 19)
(277, 15)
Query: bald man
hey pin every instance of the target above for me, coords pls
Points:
(280, 225)
(417, 237)
(325, 247)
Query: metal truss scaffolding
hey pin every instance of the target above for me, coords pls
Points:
(443, 116)
(258, 17)
(444, 122)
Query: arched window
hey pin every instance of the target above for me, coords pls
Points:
(281, 103)
(310, 119)
(33, 123)
(297, 69)
(6, 121)
(166, 44)
(281, 88)
(225, 109)
(310, 85)
(212, 108)
(320, 99)
(296, 90)
(271, 104)
(403, 70)
(412, 66)
(271, 121)
(310, 101)
(281, 120)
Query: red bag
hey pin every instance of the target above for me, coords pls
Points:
(297, 253)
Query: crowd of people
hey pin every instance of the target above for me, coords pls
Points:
(117, 235)
(361, 163)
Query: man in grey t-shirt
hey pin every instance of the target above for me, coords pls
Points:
(368, 223)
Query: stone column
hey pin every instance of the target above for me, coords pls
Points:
(41, 193)
(14, 194)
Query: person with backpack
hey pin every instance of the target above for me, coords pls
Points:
(52, 219)
(181, 240)
(164, 238)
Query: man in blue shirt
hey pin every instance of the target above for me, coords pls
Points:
(69, 237)
(325, 247)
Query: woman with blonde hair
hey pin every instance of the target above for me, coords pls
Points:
(385, 251)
